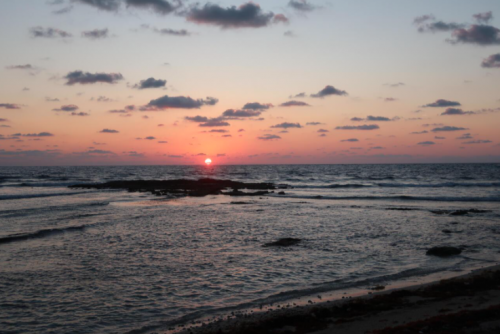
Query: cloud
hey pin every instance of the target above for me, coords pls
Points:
(395, 85)
(3, 120)
(437, 137)
(492, 61)
(477, 142)
(483, 17)
(159, 6)
(150, 83)
(289, 33)
(100, 152)
(440, 26)
(269, 137)
(79, 114)
(173, 32)
(465, 136)
(40, 134)
(322, 131)
(455, 111)
(69, 108)
(257, 106)
(390, 99)
(48, 99)
(248, 15)
(175, 156)
(178, 102)
(9, 106)
(442, 103)
(426, 143)
(119, 111)
(30, 153)
(314, 123)
(226, 136)
(21, 67)
(95, 34)
(163, 142)
(109, 5)
(214, 122)
(220, 155)
(350, 140)
(357, 119)
(240, 113)
(301, 5)
(198, 119)
(63, 10)
(40, 32)
(218, 131)
(477, 34)
(378, 119)
(329, 90)
(422, 19)
(294, 104)
(150, 138)
(298, 96)
(358, 127)
(286, 125)
(448, 128)
(109, 131)
(84, 78)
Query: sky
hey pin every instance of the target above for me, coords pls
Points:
(139, 82)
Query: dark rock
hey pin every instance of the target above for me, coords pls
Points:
(444, 251)
(281, 193)
(458, 212)
(446, 231)
(285, 242)
(181, 187)
(401, 209)
(240, 203)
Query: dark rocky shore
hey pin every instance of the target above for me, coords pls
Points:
(182, 187)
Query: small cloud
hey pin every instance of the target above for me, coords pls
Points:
(162, 7)
(442, 103)
(358, 127)
(9, 106)
(40, 134)
(390, 99)
(448, 128)
(40, 32)
(477, 34)
(84, 78)
(294, 104)
(437, 137)
(226, 136)
(257, 106)
(269, 137)
(218, 131)
(21, 67)
(472, 142)
(150, 83)
(322, 131)
(492, 61)
(109, 131)
(286, 125)
(394, 85)
(465, 136)
(214, 122)
(298, 96)
(327, 91)
(240, 113)
(107, 5)
(48, 99)
(248, 15)
(427, 143)
(67, 108)
(455, 111)
(150, 138)
(301, 5)
(220, 155)
(197, 119)
(163, 142)
(178, 102)
(173, 32)
(483, 17)
(95, 34)
(289, 33)
(314, 123)
(350, 140)
(357, 119)
(161, 125)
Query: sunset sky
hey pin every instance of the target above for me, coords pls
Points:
(110, 82)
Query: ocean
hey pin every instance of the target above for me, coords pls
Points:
(110, 261)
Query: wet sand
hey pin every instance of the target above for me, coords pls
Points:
(468, 303)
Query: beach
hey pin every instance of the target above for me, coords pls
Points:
(468, 303)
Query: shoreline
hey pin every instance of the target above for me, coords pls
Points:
(406, 301)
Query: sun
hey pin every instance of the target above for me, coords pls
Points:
(208, 161)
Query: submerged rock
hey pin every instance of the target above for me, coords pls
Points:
(458, 212)
(444, 251)
(285, 242)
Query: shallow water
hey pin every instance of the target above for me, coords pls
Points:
(111, 261)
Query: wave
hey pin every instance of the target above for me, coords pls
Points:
(44, 184)
(397, 198)
(40, 234)
(27, 196)
(402, 185)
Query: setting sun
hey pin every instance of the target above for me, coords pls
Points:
(208, 161)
